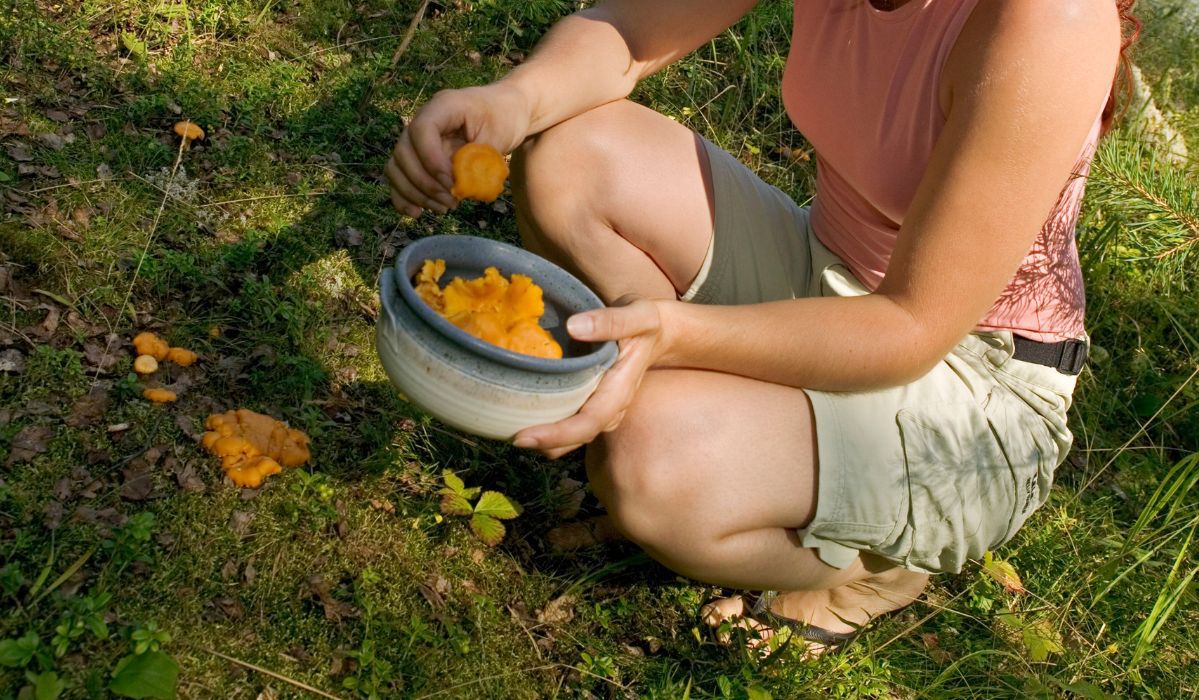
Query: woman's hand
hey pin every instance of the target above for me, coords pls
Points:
(636, 324)
(419, 170)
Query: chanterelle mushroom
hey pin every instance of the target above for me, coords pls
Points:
(189, 131)
(253, 446)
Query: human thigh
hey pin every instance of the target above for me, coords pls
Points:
(708, 454)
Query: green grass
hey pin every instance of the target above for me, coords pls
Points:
(245, 238)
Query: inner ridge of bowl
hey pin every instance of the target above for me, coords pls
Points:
(468, 256)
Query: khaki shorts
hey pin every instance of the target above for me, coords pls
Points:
(926, 475)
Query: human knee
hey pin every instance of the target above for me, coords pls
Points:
(649, 498)
(563, 172)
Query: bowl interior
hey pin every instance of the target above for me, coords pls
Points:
(467, 257)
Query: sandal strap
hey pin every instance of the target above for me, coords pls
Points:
(761, 612)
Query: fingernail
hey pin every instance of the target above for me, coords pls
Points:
(447, 201)
(580, 325)
(527, 443)
(446, 181)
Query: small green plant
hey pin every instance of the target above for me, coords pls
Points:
(149, 638)
(147, 672)
(130, 542)
(485, 515)
(84, 614)
(20, 652)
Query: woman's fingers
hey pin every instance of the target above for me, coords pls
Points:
(407, 193)
(427, 133)
(411, 167)
(614, 323)
(601, 413)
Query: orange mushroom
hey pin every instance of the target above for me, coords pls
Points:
(145, 364)
(148, 343)
(182, 357)
(479, 172)
(253, 446)
(160, 395)
(189, 131)
(492, 308)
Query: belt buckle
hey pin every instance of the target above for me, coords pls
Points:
(1073, 357)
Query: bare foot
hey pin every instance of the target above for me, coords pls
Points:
(841, 610)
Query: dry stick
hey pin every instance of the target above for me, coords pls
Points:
(272, 674)
(395, 57)
(141, 259)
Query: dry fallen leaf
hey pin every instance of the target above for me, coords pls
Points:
(335, 609)
(570, 493)
(20, 152)
(239, 522)
(12, 361)
(558, 611)
(188, 478)
(33, 440)
(582, 534)
(88, 410)
(138, 484)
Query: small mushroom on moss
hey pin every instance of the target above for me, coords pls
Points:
(189, 131)
(160, 395)
(145, 364)
(148, 343)
(253, 446)
(182, 357)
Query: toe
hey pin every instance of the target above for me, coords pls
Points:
(722, 609)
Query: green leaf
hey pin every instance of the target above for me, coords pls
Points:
(46, 686)
(757, 692)
(1042, 639)
(17, 653)
(497, 505)
(5, 177)
(454, 485)
(488, 529)
(150, 675)
(1082, 689)
(1003, 572)
(133, 45)
(454, 504)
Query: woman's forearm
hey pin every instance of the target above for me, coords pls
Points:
(829, 343)
(598, 55)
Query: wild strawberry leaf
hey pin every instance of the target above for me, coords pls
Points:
(487, 528)
(1003, 572)
(455, 485)
(454, 504)
(1041, 640)
(497, 505)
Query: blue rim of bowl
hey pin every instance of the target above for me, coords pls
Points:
(601, 357)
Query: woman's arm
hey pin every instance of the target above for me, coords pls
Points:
(586, 60)
(598, 55)
(1026, 84)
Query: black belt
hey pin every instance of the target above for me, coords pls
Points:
(1067, 356)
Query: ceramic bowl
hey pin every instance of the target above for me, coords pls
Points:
(469, 383)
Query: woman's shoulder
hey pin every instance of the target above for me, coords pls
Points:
(1037, 34)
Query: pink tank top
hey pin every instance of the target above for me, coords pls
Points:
(862, 86)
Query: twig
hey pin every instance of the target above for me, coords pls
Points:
(411, 32)
(141, 258)
(277, 676)
(367, 96)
